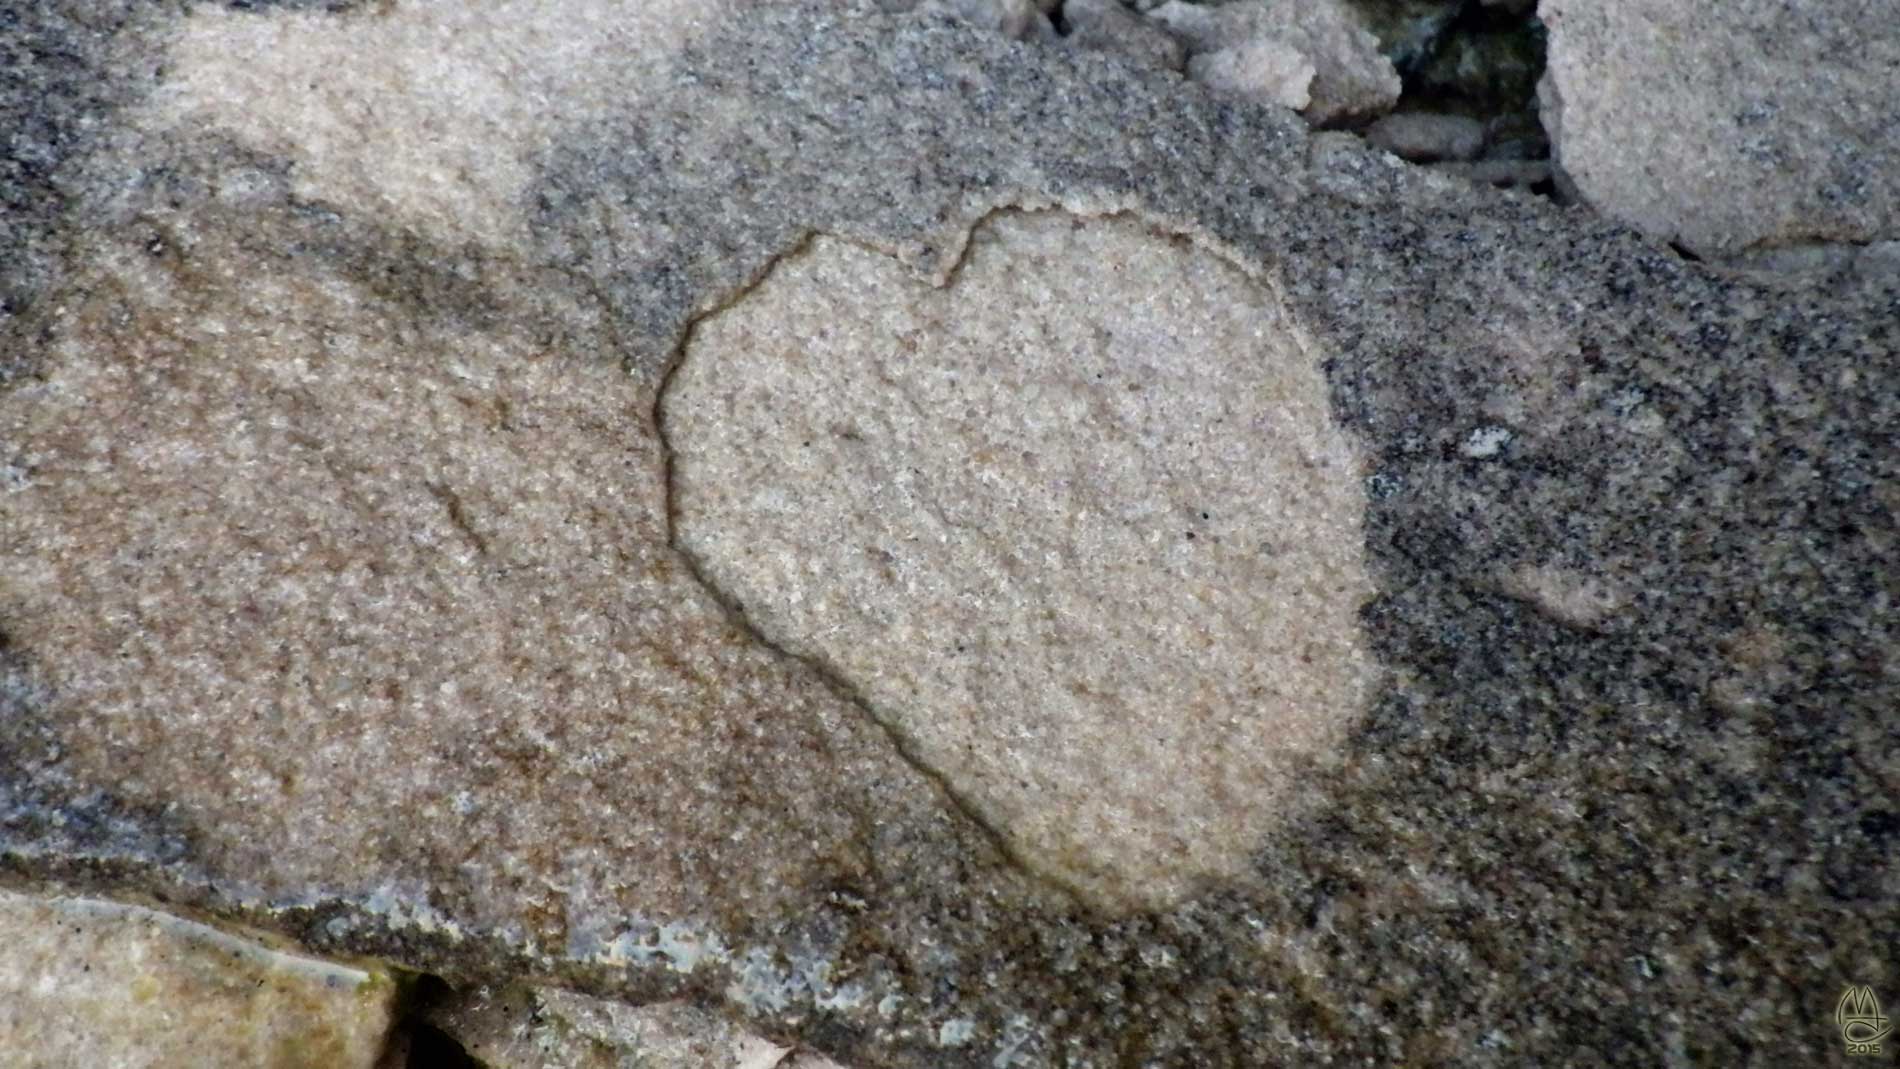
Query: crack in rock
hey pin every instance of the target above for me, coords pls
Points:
(1077, 528)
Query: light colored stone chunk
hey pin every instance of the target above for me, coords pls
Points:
(1080, 527)
(91, 983)
(431, 114)
(1351, 79)
(1728, 124)
(1268, 69)
(1567, 595)
(547, 1028)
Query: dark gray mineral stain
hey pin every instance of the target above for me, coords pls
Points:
(60, 82)
(54, 826)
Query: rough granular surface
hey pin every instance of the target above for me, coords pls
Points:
(546, 1028)
(1728, 125)
(1079, 525)
(90, 982)
(355, 583)
(429, 115)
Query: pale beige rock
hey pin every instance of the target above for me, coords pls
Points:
(1567, 595)
(1269, 69)
(1080, 527)
(1725, 124)
(546, 1028)
(429, 114)
(85, 982)
(1351, 79)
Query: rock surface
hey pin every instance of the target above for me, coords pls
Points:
(1266, 50)
(1262, 69)
(1505, 174)
(346, 595)
(1079, 527)
(1018, 19)
(1727, 125)
(545, 1028)
(1110, 26)
(90, 982)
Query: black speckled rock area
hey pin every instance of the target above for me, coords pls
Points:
(55, 91)
(344, 595)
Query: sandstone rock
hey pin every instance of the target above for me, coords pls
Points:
(90, 982)
(1728, 125)
(356, 585)
(1250, 49)
(1109, 26)
(1426, 137)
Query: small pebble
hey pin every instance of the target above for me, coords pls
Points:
(1428, 137)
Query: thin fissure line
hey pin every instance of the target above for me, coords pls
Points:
(946, 274)
(834, 681)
